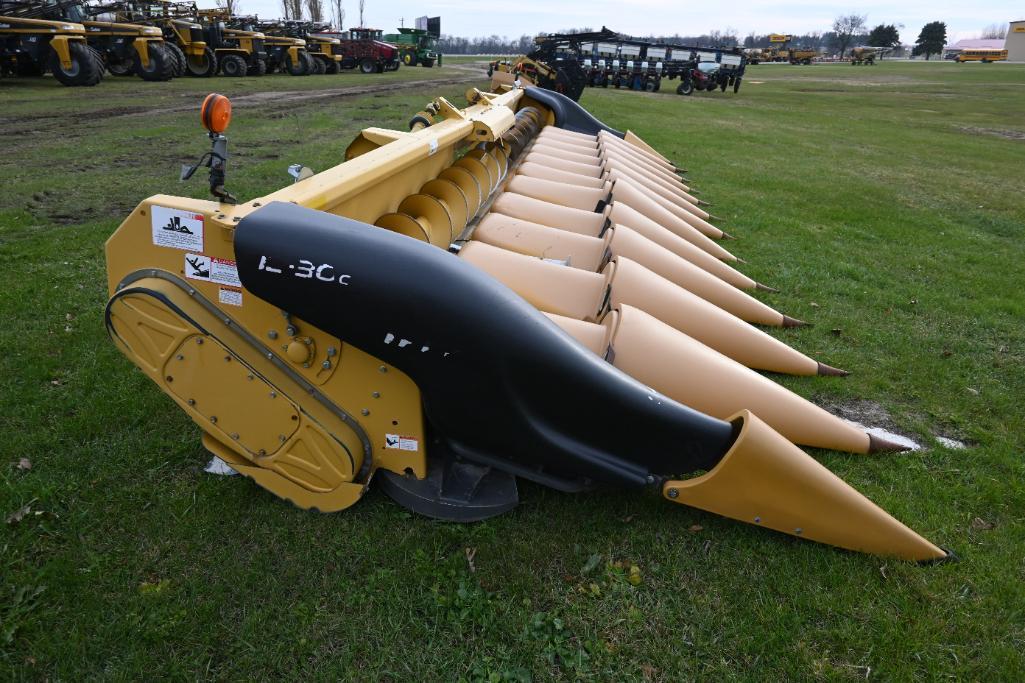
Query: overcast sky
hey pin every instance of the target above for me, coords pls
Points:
(646, 17)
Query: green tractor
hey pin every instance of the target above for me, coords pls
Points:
(416, 46)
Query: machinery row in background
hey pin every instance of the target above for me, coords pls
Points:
(568, 63)
(782, 51)
(158, 40)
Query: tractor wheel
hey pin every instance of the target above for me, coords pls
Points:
(650, 86)
(686, 87)
(319, 66)
(380, 67)
(367, 66)
(722, 86)
(161, 64)
(311, 63)
(257, 69)
(233, 66)
(179, 59)
(296, 68)
(98, 58)
(84, 70)
(409, 58)
(331, 67)
(736, 84)
(428, 63)
(605, 82)
(202, 66)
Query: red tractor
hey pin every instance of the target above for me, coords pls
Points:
(363, 48)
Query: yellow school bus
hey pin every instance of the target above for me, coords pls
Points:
(982, 56)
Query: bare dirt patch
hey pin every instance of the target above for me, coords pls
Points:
(998, 132)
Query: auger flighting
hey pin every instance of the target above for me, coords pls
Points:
(554, 304)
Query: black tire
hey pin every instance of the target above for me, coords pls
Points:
(428, 63)
(179, 59)
(367, 66)
(296, 68)
(319, 66)
(233, 66)
(409, 58)
(98, 58)
(201, 66)
(650, 86)
(722, 86)
(332, 67)
(259, 68)
(380, 67)
(736, 84)
(84, 70)
(161, 64)
(686, 87)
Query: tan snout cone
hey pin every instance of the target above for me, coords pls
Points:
(624, 192)
(767, 481)
(697, 376)
(589, 253)
(580, 294)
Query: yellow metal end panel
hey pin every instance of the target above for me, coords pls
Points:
(767, 481)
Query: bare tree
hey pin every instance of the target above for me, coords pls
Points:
(338, 14)
(846, 27)
(994, 32)
(292, 9)
(233, 6)
(315, 10)
(362, 5)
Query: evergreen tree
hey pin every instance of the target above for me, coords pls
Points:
(884, 35)
(932, 39)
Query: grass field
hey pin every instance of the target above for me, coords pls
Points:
(886, 203)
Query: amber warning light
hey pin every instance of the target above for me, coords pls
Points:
(215, 113)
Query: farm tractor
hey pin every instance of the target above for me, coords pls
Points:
(183, 33)
(31, 47)
(364, 49)
(123, 48)
(323, 49)
(416, 46)
(868, 55)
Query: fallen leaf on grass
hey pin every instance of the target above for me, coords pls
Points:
(154, 587)
(24, 464)
(635, 575)
(592, 563)
(19, 514)
(979, 524)
(694, 528)
(470, 554)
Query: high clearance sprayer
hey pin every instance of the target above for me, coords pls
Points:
(507, 290)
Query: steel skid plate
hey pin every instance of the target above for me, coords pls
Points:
(454, 490)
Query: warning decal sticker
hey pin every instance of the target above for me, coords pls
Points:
(209, 269)
(404, 443)
(177, 229)
(230, 296)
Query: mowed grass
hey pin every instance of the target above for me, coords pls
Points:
(886, 204)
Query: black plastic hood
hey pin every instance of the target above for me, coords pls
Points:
(496, 376)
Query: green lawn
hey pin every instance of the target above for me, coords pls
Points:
(886, 203)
